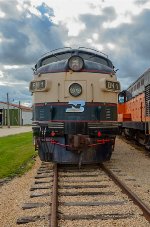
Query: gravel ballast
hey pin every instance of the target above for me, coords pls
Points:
(130, 164)
(13, 195)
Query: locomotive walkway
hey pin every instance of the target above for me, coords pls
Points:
(4, 131)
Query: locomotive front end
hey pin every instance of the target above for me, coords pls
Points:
(74, 106)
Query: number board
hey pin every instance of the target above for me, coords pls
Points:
(115, 86)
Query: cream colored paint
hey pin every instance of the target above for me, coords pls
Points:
(93, 87)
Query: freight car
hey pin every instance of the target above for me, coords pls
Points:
(134, 110)
(75, 95)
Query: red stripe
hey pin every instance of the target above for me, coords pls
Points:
(74, 121)
(66, 104)
(83, 70)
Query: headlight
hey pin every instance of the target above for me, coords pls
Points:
(75, 63)
(75, 89)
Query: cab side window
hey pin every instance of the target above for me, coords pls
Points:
(121, 99)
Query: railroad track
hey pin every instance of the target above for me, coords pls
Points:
(135, 144)
(89, 196)
(94, 196)
(37, 209)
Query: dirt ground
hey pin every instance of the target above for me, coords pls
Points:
(5, 131)
(133, 165)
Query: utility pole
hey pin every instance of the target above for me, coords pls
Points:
(8, 113)
(19, 115)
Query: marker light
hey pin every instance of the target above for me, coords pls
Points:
(53, 133)
(99, 133)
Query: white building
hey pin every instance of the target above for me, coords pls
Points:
(12, 114)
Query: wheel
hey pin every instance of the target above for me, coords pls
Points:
(126, 133)
(147, 147)
(147, 142)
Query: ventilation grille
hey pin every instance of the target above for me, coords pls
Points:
(147, 99)
(108, 113)
(55, 125)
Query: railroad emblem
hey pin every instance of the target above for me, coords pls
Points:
(77, 106)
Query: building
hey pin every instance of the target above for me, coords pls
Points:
(12, 114)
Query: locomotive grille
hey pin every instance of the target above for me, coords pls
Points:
(55, 125)
(102, 125)
(108, 113)
(147, 99)
(41, 114)
(76, 128)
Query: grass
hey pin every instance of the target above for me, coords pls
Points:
(16, 154)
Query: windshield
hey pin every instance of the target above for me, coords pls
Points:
(55, 58)
(93, 58)
(85, 55)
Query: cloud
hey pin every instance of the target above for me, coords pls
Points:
(26, 33)
(127, 44)
(141, 2)
(23, 73)
(132, 51)
(21, 93)
(45, 10)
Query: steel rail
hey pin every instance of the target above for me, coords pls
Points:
(132, 195)
(54, 205)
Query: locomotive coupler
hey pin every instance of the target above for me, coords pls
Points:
(79, 142)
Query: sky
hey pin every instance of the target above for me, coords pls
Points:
(28, 29)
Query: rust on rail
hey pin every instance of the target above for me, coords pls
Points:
(54, 205)
(132, 195)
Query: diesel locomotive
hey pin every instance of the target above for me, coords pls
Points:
(75, 96)
(134, 110)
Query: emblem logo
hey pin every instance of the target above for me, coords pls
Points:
(76, 106)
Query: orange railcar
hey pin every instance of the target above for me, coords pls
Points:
(134, 110)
